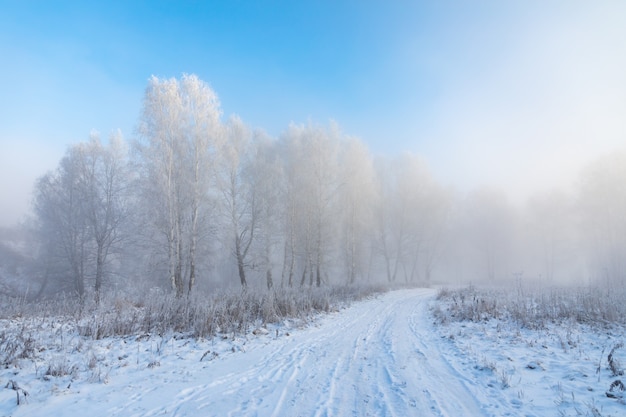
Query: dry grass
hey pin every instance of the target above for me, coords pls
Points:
(534, 308)
(157, 312)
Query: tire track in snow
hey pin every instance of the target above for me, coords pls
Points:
(377, 358)
(444, 386)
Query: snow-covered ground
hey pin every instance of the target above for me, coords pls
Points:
(559, 367)
(379, 357)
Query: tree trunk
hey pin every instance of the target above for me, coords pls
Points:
(284, 271)
(352, 275)
(311, 273)
(387, 266)
(79, 285)
(99, 272)
(79, 271)
(268, 265)
(178, 274)
(303, 281)
(242, 272)
(192, 275)
(291, 267)
(292, 260)
(192, 249)
(268, 279)
(44, 284)
(318, 279)
(240, 263)
(171, 253)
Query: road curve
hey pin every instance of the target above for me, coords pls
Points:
(377, 358)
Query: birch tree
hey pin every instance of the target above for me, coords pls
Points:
(267, 179)
(104, 186)
(81, 208)
(290, 151)
(204, 134)
(356, 196)
(180, 131)
(390, 217)
(62, 224)
(239, 196)
(410, 214)
(313, 188)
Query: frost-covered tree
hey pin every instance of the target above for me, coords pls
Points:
(289, 151)
(81, 208)
(410, 215)
(357, 178)
(239, 196)
(312, 174)
(602, 206)
(488, 224)
(62, 224)
(267, 179)
(209, 194)
(105, 185)
(551, 234)
(180, 131)
(428, 209)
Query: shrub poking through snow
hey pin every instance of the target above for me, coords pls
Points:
(15, 387)
(616, 390)
(614, 365)
(60, 367)
(15, 346)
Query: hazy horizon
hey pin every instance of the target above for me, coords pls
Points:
(519, 96)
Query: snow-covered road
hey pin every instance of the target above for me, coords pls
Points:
(378, 357)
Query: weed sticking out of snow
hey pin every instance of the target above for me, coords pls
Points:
(18, 390)
(562, 349)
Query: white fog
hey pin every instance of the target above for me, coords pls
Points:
(342, 209)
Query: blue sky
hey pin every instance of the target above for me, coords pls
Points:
(517, 94)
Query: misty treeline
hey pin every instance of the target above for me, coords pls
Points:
(197, 202)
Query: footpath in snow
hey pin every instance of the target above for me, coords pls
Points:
(380, 357)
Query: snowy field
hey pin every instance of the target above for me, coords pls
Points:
(386, 356)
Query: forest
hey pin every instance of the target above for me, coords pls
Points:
(198, 202)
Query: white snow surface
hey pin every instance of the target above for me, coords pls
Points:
(379, 357)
